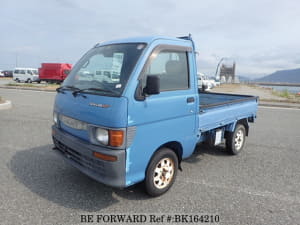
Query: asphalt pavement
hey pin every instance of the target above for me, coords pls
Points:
(6, 80)
(259, 186)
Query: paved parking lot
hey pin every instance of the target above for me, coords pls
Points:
(5, 80)
(260, 186)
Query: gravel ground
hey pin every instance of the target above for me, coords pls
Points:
(263, 93)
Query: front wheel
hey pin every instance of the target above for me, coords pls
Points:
(161, 172)
(235, 141)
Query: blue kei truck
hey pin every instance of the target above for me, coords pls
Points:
(130, 111)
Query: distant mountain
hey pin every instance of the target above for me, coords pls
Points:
(243, 78)
(282, 76)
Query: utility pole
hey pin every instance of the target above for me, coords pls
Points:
(16, 59)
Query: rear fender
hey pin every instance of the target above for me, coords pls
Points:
(230, 127)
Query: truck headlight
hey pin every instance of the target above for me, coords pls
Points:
(108, 137)
(55, 118)
(102, 136)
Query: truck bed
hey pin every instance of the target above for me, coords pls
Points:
(218, 109)
(209, 100)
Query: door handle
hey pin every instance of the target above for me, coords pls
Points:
(190, 99)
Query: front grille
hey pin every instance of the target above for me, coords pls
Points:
(90, 163)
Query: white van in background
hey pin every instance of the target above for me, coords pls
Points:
(27, 75)
(205, 83)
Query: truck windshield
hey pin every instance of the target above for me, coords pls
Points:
(105, 70)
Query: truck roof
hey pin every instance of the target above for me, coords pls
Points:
(148, 40)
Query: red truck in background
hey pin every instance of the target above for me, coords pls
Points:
(54, 72)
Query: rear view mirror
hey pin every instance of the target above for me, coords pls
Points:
(152, 85)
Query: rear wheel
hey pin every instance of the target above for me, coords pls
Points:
(235, 141)
(161, 172)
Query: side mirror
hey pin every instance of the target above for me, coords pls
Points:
(152, 85)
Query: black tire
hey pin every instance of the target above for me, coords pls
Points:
(157, 184)
(235, 141)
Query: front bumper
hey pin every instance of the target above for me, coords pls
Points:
(80, 155)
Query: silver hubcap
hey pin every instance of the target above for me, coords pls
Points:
(163, 173)
(239, 140)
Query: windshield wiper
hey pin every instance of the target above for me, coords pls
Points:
(91, 89)
(67, 87)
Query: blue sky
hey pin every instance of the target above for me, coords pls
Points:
(262, 36)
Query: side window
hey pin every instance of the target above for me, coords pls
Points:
(22, 71)
(172, 68)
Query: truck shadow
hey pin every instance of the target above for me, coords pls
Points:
(47, 175)
(205, 149)
(219, 150)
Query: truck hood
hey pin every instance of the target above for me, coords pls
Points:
(93, 109)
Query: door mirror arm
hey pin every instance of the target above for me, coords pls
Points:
(152, 86)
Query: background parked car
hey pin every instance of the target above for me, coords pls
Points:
(205, 83)
(1, 73)
(217, 81)
(27, 75)
(8, 73)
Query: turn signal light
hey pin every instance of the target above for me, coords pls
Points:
(105, 157)
(116, 138)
